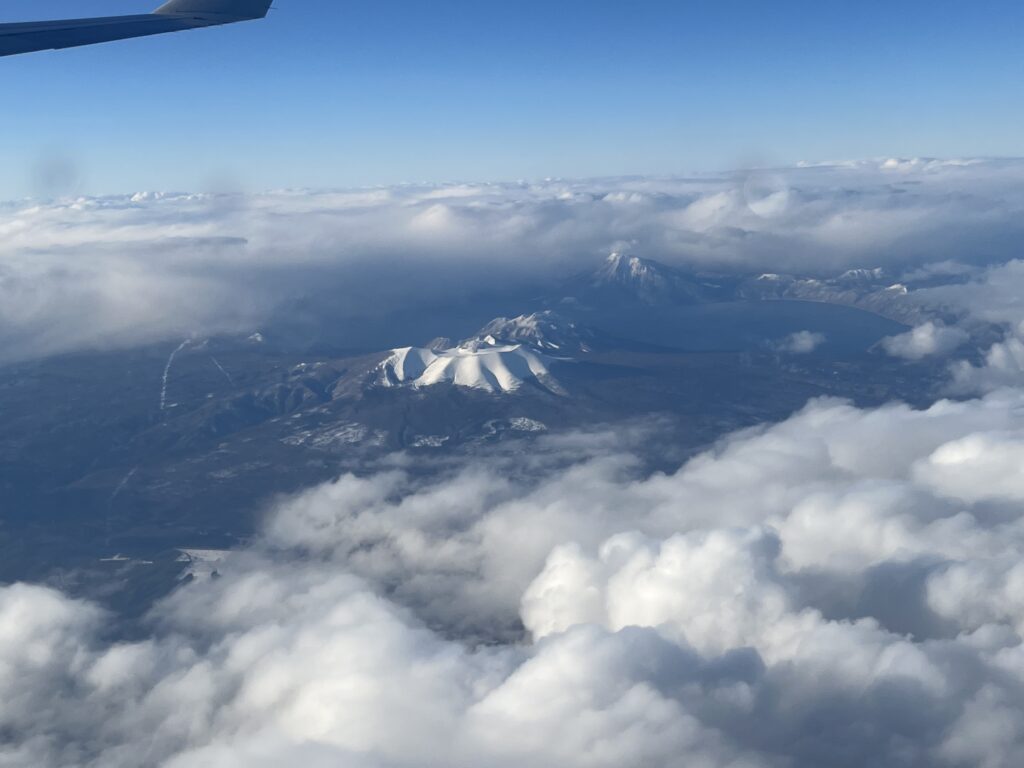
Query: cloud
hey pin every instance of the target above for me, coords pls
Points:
(1002, 366)
(991, 295)
(978, 468)
(926, 340)
(120, 270)
(801, 343)
(281, 663)
(843, 587)
(984, 303)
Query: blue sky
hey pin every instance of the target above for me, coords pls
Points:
(336, 93)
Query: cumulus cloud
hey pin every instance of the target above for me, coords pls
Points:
(841, 588)
(1002, 366)
(114, 271)
(925, 340)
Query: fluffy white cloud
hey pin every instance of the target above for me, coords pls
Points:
(842, 588)
(979, 467)
(275, 664)
(925, 340)
(717, 584)
(1003, 366)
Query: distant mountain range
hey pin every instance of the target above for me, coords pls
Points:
(870, 290)
(623, 279)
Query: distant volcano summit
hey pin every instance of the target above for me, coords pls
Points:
(622, 277)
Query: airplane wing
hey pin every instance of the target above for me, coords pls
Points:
(173, 16)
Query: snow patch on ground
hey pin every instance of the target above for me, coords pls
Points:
(429, 441)
(523, 424)
(334, 436)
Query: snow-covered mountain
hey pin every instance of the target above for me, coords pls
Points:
(543, 331)
(501, 357)
(504, 368)
(644, 280)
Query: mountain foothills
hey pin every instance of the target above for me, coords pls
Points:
(119, 461)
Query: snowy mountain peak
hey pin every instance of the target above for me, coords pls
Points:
(490, 369)
(642, 279)
(622, 269)
(544, 331)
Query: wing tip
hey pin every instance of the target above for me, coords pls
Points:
(235, 9)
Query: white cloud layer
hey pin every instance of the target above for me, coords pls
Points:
(843, 588)
(114, 271)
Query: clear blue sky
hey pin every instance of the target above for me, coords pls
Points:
(339, 93)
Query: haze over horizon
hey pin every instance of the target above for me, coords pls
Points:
(328, 94)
